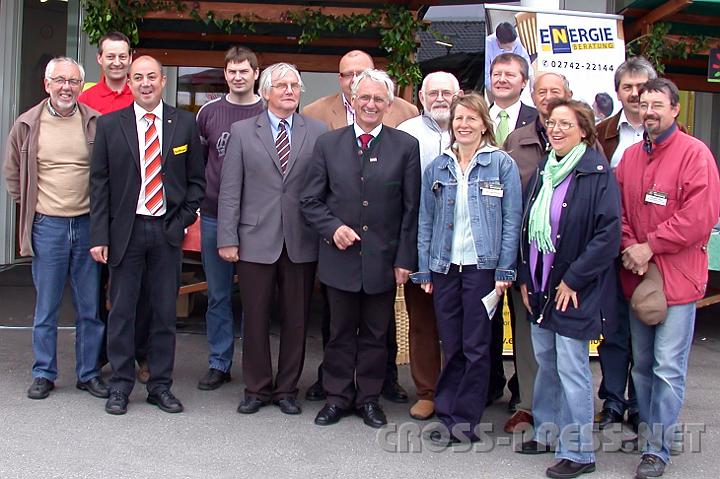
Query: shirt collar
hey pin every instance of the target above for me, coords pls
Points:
(140, 111)
(431, 123)
(106, 91)
(513, 110)
(54, 112)
(347, 104)
(275, 120)
(359, 131)
(622, 120)
(648, 144)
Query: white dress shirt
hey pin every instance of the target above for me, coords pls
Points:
(142, 127)
(628, 137)
(513, 112)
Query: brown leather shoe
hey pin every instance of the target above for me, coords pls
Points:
(518, 421)
(422, 410)
(143, 373)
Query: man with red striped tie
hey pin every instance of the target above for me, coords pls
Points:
(146, 183)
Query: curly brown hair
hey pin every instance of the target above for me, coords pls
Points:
(583, 113)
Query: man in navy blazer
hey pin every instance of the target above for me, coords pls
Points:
(261, 228)
(361, 196)
(146, 183)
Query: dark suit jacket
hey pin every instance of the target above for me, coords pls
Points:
(259, 207)
(377, 194)
(526, 116)
(115, 178)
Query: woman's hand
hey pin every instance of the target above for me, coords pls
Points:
(427, 287)
(564, 296)
(525, 297)
(501, 286)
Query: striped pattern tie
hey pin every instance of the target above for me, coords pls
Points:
(282, 143)
(153, 161)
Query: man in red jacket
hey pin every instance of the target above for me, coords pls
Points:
(671, 200)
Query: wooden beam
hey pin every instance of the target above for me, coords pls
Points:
(658, 14)
(260, 12)
(693, 82)
(305, 62)
(251, 39)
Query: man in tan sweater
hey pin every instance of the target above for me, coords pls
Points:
(47, 169)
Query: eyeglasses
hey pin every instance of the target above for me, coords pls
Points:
(447, 94)
(365, 99)
(347, 75)
(563, 125)
(60, 81)
(285, 86)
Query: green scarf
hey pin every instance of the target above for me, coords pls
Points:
(554, 173)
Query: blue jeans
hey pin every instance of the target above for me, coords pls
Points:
(661, 355)
(563, 398)
(62, 248)
(616, 364)
(219, 317)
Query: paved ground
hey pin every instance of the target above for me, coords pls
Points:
(69, 435)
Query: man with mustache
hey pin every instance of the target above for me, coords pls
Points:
(431, 130)
(47, 170)
(670, 194)
(616, 134)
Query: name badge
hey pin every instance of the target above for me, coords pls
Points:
(178, 150)
(492, 190)
(656, 198)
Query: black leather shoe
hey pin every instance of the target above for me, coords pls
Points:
(493, 396)
(95, 386)
(372, 414)
(607, 417)
(315, 392)
(650, 466)
(250, 405)
(330, 414)
(213, 379)
(567, 469)
(439, 439)
(512, 404)
(117, 403)
(166, 401)
(40, 388)
(288, 405)
(392, 391)
(534, 447)
(633, 420)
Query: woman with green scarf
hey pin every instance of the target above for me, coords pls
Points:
(571, 237)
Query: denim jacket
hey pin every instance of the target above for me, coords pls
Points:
(495, 205)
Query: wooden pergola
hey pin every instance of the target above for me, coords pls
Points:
(180, 40)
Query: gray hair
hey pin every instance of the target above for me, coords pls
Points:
(375, 75)
(446, 75)
(50, 68)
(282, 69)
(566, 83)
(634, 66)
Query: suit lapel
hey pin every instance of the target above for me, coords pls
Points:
(297, 138)
(129, 129)
(264, 133)
(169, 122)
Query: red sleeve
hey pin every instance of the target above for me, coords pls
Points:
(628, 235)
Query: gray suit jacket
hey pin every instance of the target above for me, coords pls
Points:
(258, 206)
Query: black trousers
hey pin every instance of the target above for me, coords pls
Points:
(147, 251)
(391, 370)
(356, 355)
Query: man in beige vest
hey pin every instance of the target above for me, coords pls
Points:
(47, 170)
(336, 111)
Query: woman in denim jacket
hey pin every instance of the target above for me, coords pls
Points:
(468, 236)
(571, 236)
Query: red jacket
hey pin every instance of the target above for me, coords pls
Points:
(683, 168)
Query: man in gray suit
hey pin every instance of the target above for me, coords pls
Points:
(261, 228)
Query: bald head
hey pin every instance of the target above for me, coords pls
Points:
(147, 82)
(549, 86)
(351, 65)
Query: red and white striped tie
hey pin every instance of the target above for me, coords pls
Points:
(153, 161)
(282, 143)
